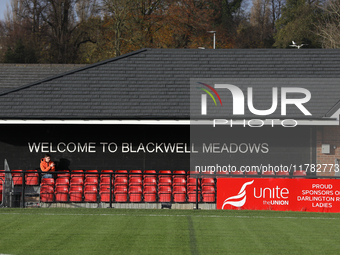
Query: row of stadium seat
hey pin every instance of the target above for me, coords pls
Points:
(32, 176)
(125, 194)
(177, 185)
(78, 186)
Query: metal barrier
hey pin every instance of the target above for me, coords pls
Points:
(19, 192)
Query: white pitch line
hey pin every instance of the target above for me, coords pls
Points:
(169, 215)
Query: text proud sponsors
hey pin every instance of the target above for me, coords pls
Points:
(320, 195)
(314, 195)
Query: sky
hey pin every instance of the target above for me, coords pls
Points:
(3, 8)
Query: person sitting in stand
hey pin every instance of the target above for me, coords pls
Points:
(46, 165)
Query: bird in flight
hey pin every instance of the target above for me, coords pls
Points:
(297, 46)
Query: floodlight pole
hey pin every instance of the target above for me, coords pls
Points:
(213, 32)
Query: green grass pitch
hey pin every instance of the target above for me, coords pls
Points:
(120, 231)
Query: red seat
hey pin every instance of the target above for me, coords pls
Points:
(91, 181)
(251, 173)
(90, 193)
(121, 177)
(179, 182)
(192, 174)
(150, 181)
(299, 173)
(91, 173)
(135, 177)
(106, 173)
(1, 187)
(46, 193)
(167, 174)
(76, 193)
(65, 173)
(165, 179)
(208, 194)
(237, 172)
(282, 173)
(106, 180)
(164, 193)
(208, 178)
(137, 173)
(268, 173)
(179, 174)
(77, 181)
(208, 182)
(135, 182)
(91, 177)
(135, 193)
(77, 173)
(104, 192)
(105, 177)
(32, 177)
(191, 191)
(149, 178)
(149, 193)
(47, 182)
(222, 174)
(179, 179)
(209, 174)
(2, 176)
(120, 182)
(121, 173)
(62, 181)
(61, 193)
(179, 194)
(192, 182)
(120, 193)
(17, 177)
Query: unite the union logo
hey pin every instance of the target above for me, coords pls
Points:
(240, 199)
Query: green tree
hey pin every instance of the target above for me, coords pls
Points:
(224, 10)
(297, 24)
(20, 54)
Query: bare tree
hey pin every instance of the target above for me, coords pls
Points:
(276, 8)
(329, 26)
(67, 32)
(86, 9)
(260, 18)
(118, 13)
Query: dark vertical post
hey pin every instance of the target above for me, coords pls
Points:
(23, 189)
(196, 192)
(110, 190)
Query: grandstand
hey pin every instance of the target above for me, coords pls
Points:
(120, 131)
